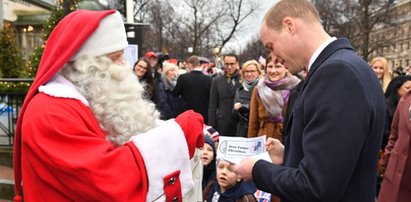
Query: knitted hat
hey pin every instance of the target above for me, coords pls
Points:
(172, 60)
(167, 66)
(210, 131)
(64, 42)
(109, 37)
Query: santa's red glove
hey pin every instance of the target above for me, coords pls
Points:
(192, 125)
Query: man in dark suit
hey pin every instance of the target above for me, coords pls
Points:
(223, 87)
(194, 88)
(337, 122)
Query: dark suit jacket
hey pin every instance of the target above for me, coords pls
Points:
(290, 106)
(194, 89)
(220, 114)
(335, 133)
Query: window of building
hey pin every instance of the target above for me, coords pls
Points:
(28, 38)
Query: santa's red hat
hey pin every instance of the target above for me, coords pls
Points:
(82, 32)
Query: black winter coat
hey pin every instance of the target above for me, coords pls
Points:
(167, 103)
(220, 112)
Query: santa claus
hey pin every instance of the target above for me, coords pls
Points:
(85, 131)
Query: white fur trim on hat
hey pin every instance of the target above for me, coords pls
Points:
(109, 37)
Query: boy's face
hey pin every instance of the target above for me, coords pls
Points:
(225, 177)
(207, 154)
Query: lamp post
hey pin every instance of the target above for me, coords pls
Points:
(129, 11)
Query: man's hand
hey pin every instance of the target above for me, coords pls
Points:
(192, 125)
(244, 169)
(276, 150)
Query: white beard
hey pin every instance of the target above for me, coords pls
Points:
(115, 96)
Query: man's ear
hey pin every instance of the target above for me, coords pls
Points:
(289, 24)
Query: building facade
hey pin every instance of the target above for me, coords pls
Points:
(27, 18)
(398, 53)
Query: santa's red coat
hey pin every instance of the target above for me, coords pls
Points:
(65, 156)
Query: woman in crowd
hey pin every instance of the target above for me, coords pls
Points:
(167, 103)
(250, 74)
(398, 87)
(268, 101)
(397, 178)
(142, 68)
(382, 71)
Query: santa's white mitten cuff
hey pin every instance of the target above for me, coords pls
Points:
(164, 150)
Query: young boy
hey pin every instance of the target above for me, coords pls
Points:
(208, 159)
(229, 188)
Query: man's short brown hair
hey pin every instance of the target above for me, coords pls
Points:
(193, 60)
(290, 8)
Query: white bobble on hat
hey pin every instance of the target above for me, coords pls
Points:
(109, 37)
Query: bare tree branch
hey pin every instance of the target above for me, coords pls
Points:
(357, 20)
(237, 15)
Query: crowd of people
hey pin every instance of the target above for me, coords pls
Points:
(94, 127)
(396, 85)
(252, 100)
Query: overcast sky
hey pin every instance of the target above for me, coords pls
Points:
(252, 26)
